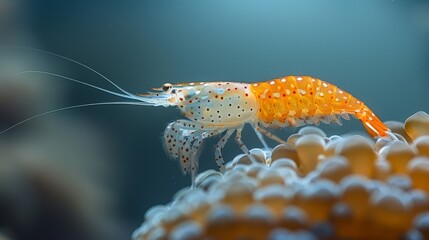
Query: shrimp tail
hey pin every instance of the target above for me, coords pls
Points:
(372, 123)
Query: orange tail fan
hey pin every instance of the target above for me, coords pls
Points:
(372, 123)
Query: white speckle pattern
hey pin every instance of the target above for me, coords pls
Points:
(220, 90)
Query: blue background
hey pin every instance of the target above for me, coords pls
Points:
(378, 50)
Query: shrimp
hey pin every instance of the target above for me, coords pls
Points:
(214, 108)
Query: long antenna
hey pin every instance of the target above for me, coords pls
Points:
(71, 107)
(73, 61)
(129, 96)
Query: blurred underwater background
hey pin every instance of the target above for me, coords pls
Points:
(92, 173)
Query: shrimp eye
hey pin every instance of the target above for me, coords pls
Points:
(167, 87)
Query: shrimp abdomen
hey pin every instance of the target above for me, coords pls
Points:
(299, 100)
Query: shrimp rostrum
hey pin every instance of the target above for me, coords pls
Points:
(214, 108)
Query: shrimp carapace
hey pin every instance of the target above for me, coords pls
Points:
(218, 104)
(300, 100)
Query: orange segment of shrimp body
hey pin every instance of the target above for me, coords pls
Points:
(297, 100)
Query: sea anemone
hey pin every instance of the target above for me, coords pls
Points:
(313, 187)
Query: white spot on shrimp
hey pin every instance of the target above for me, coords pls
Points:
(192, 84)
(191, 91)
(276, 95)
(325, 84)
(255, 84)
(329, 91)
(321, 94)
(299, 78)
(337, 100)
(345, 98)
(264, 94)
(287, 92)
(357, 101)
(302, 91)
(371, 127)
(340, 91)
(313, 80)
(219, 90)
(283, 80)
(272, 82)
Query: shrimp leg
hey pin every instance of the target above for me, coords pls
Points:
(243, 146)
(261, 138)
(176, 132)
(180, 137)
(194, 143)
(240, 142)
(190, 150)
(183, 139)
(268, 134)
(219, 146)
(196, 150)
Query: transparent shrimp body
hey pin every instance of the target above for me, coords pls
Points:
(224, 107)
(219, 104)
(212, 109)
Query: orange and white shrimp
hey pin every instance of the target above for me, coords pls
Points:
(213, 108)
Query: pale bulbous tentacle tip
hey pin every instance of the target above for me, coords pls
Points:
(252, 158)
